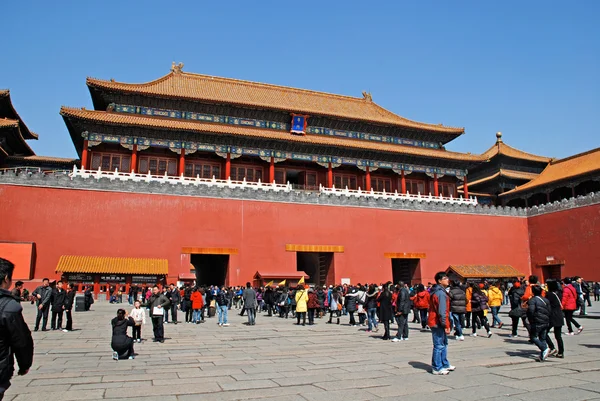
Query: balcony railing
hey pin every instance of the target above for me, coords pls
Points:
(213, 182)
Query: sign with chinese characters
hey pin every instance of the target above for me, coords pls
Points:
(299, 124)
(112, 279)
(145, 279)
(79, 278)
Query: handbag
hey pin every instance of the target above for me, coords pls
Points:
(517, 312)
(339, 306)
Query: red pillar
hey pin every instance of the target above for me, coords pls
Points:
(466, 188)
(181, 162)
(368, 180)
(402, 182)
(272, 170)
(329, 176)
(134, 159)
(84, 155)
(436, 190)
(228, 166)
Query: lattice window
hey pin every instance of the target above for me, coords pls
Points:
(251, 173)
(379, 184)
(158, 165)
(202, 169)
(110, 161)
(415, 187)
(341, 181)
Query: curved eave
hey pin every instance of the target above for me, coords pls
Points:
(127, 120)
(14, 137)
(500, 148)
(12, 114)
(383, 116)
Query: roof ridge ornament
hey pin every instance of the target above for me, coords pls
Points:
(176, 68)
(498, 137)
(367, 96)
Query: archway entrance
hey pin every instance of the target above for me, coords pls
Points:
(210, 269)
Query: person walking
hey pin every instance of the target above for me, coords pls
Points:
(69, 302)
(88, 298)
(371, 305)
(59, 300)
(175, 296)
(439, 323)
(458, 307)
(313, 306)
(301, 299)
(335, 305)
(16, 291)
(569, 304)
(479, 307)
(157, 303)
(421, 301)
(250, 303)
(196, 305)
(538, 312)
(495, 301)
(222, 301)
(515, 294)
(121, 343)
(43, 295)
(16, 337)
(556, 319)
(139, 317)
(401, 312)
(596, 291)
(386, 311)
(351, 304)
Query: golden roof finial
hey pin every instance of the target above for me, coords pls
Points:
(367, 96)
(498, 137)
(176, 68)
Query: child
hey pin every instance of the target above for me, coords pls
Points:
(139, 317)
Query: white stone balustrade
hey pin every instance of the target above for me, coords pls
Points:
(174, 180)
(397, 196)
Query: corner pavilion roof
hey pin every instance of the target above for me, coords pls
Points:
(516, 175)
(500, 148)
(197, 87)
(252, 132)
(563, 169)
(8, 111)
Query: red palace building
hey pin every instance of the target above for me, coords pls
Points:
(223, 181)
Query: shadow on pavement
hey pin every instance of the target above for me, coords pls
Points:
(420, 365)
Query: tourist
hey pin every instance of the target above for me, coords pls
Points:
(515, 294)
(283, 302)
(421, 301)
(361, 297)
(222, 303)
(335, 305)
(351, 304)
(569, 304)
(585, 288)
(16, 292)
(157, 304)
(415, 311)
(495, 301)
(468, 288)
(321, 298)
(139, 317)
(556, 319)
(596, 291)
(372, 295)
(88, 298)
(538, 313)
(186, 304)
(269, 298)
(439, 323)
(301, 299)
(69, 302)
(479, 307)
(458, 307)
(197, 304)
(313, 306)
(59, 299)
(402, 310)
(121, 343)
(250, 303)
(43, 295)
(16, 337)
(175, 298)
(386, 311)
(292, 302)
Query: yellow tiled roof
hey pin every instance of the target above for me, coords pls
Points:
(558, 170)
(485, 271)
(184, 85)
(517, 175)
(500, 148)
(8, 122)
(12, 114)
(199, 126)
(110, 265)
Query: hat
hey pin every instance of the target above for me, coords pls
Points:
(517, 284)
(324, 286)
(330, 286)
(481, 285)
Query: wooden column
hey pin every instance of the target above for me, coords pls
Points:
(272, 170)
(134, 159)
(368, 180)
(402, 182)
(436, 191)
(572, 192)
(466, 188)
(228, 166)
(547, 197)
(84, 155)
(181, 163)
(329, 176)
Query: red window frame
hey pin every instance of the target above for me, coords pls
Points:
(415, 187)
(341, 181)
(251, 173)
(158, 165)
(111, 161)
(202, 169)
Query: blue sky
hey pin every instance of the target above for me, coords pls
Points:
(530, 69)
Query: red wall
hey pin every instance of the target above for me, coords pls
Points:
(572, 236)
(94, 223)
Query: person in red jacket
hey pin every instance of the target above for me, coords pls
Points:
(421, 302)
(569, 304)
(197, 305)
(439, 322)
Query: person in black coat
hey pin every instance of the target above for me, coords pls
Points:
(59, 301)
(402, 311)
(88, 298)
(69, 301)
(385, 309)
(175, 297)
(458, 308)
(538, 312)
(351, 304)
(121, 343)
(515, 294)
(557, 318)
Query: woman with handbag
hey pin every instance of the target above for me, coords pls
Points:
(335, 305)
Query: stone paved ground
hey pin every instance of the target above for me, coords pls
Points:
(276, 359)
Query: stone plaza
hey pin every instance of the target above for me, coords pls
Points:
(276, 359)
